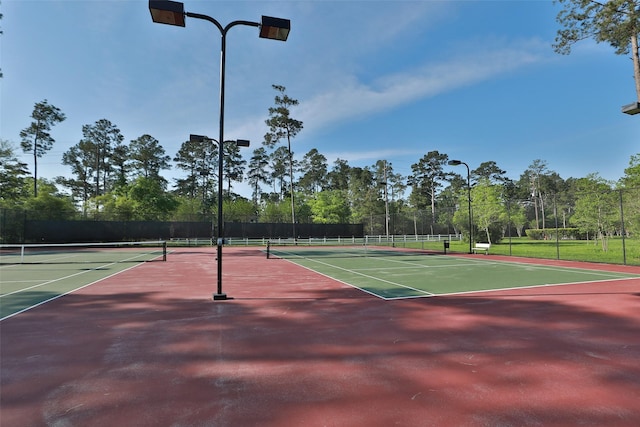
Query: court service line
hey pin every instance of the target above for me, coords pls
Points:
(515, 288)
(571, 270)
(337, 280)
(69, 276)
(366, 275)
(520, 265)
(578, 270)
(51, 281)
(413, 264)
(544, 285)
(66, 293)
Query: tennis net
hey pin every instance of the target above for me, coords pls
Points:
(72, 253)
(344, 248)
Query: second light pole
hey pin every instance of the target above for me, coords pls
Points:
(172, 13)
(458, 163)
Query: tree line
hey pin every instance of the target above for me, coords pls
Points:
(114, 180)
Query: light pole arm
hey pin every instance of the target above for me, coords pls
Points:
(206, 18)
(223, 30)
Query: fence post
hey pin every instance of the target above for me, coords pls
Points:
(555, 214)
(509, 223)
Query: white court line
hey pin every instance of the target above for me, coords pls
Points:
(520, 265)
(361, 274)
(611, 276)
(67, 277)
(68, 292)
(562, 268)
(54, 280)
(413, 265)
(515, 288)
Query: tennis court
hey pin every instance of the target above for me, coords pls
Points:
(146, 345)
(35, 274)
(392, 273)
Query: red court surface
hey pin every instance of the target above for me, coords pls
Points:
(149, 347)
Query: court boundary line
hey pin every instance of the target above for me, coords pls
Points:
(65, 293)
(69, 276)
(427, 294)
(357, 273)
(541, 265)
(469, 260)
(480, 262)
(513, 288)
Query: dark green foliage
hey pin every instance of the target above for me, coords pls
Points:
(550, 233)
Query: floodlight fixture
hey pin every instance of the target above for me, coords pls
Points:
(167, 12)
(198, 138)
(274, 28)
(631, 109)
(203, 138)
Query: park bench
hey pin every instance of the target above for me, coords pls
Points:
(481, 247)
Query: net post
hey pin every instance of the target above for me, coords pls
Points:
(164, 250)
(268, 248)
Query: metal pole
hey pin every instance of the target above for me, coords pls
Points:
(469, 200)
(172, 13)
(555, 214)
(509, 222)
(386, 202)
(219, 295)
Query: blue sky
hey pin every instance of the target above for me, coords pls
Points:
(392, 80)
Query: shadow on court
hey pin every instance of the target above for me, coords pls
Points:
(148, 347)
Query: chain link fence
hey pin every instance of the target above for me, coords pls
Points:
(595, 226)
(18, 226)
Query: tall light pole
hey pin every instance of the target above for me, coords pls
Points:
(172, 13)
(385, 184)
(458, 163)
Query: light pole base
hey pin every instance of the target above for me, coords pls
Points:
(220, 297)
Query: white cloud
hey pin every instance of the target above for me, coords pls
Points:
(350, 98)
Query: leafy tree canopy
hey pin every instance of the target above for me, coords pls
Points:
(616, 22)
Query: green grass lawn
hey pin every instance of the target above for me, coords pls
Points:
(574, 250)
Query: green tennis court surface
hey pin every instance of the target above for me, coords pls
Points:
(391, 274)
(33, 274)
